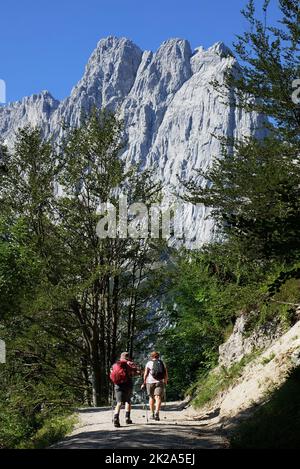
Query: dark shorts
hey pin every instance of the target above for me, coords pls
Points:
(156, 389)
(123, 393)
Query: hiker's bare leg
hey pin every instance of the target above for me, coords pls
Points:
(127, 412)
(151, 404)
(117, 412)
(157, 404)
(127, 407)
(118, 408)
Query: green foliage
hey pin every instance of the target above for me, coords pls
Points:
(37, 381)
(218, 380)
(14, 428)
(254, 195)
(21, 428)
(268, 359)
(282, 304)
(254, 189)
(69, 300)
(276, 424)
(269, 62)
(43, 369)
(206, 290)
(19, 266)
(52, 430)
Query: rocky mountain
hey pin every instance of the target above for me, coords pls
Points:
(169, 106)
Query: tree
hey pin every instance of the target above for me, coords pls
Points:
(83, 293)
(41, 370)
(103, 277)
(255, 199)
(205, 291)
(269, 62)
(253, 193)
(254, 189)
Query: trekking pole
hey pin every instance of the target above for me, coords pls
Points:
(146, 406)
(112, 404)
(165, 401)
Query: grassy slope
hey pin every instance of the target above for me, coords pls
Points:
(14, 433)
(209, 386)
(53, 430)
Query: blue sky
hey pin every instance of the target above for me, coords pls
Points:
(46, 44)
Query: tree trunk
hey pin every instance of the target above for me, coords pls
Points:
(115, 316)
(85, 377)
(129, 327)
(97, 384)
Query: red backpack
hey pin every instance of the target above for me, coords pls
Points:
(118, 374)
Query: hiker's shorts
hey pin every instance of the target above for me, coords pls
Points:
(123, 393)
(156, 389)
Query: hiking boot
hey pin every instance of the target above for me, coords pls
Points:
(156, 417)
(117, 422)
(152, 416)
(127, 417)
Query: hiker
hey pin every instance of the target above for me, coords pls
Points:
(121, 375)
(155, 380)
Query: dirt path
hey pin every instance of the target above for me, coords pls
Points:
(177, 429)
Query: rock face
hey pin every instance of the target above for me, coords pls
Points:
(169, 106)
(36, 110)
(242, 343)
(256, 380)
(265, 373)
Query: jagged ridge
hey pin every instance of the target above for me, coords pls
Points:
(168, 104)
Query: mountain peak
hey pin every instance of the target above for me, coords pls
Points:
(221, 49)
(111, 42)
(169, 107)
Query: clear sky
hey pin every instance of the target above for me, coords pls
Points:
(45, 44)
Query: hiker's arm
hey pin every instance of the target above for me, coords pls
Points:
(145, 375)
(134, 369)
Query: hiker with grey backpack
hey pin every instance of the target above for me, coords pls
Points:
(155, 381)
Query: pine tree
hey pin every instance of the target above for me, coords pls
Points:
(254, 188)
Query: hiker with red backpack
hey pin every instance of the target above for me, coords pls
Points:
(121, 375)
(155, 380)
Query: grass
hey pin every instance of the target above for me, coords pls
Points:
(268, 359)
(276, 424)
(52, 431)
(209, 386)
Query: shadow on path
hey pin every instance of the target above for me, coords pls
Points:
(174, 431)
(152, 435)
